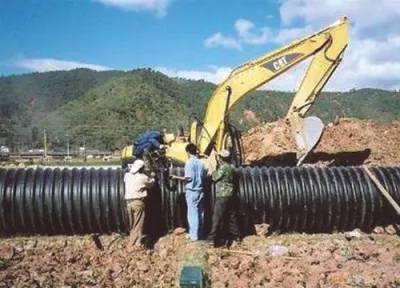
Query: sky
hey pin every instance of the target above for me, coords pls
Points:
(196, 39)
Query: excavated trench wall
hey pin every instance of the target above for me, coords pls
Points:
(79, 201)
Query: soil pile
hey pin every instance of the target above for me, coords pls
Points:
(350, 142)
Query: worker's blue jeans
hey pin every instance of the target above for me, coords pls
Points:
(195, 212)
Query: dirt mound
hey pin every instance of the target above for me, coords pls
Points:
(350, 142)
(250, 117)
(270, 139)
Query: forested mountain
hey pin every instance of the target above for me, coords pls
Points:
(26, 99)
(105, 110)
(112, 114)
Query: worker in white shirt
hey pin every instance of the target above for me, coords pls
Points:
(137, 185)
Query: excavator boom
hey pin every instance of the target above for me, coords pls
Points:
(327, 46)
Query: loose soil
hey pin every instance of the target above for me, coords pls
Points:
(307, 261)
(350, 142)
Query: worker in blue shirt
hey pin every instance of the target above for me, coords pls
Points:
(195, 172)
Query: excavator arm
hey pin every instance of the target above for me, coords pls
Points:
(327, 46)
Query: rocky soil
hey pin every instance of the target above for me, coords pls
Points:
(80, 262)
(340, 260)
(310, 261)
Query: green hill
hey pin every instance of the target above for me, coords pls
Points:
(110, 115)
(105, 110)
(25, 99)
(376, 104)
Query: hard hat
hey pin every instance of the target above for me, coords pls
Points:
(137, 165)
(224, 153)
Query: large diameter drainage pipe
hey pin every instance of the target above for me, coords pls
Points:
(318, 199)
(61, 201)
(77, 201)
(301, 199)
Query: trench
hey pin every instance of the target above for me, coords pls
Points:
(69, 201)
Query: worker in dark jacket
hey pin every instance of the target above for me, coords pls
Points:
(224, 221)
(149, 141)
(146, 144)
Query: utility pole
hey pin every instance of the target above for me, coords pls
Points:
(84, 148)
(68, 146)
(45, 143)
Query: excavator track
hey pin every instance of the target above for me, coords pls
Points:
(68, 201)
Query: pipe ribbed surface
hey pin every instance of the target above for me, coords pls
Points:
(78, 201)
(61, 201)
(318, 199)
(304, 199)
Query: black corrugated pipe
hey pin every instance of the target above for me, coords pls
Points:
(61, 201)
(303, 199)
(76, 201)
(318, 199)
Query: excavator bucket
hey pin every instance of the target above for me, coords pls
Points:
(308, 135)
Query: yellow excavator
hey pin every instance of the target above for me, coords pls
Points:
(216, 133)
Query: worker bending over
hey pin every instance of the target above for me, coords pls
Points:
(137, 186)
(149, 141)
(224, 221)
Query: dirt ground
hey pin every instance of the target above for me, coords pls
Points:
(338, 260)
(310, 261)
(79, 262)
(350, 142)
